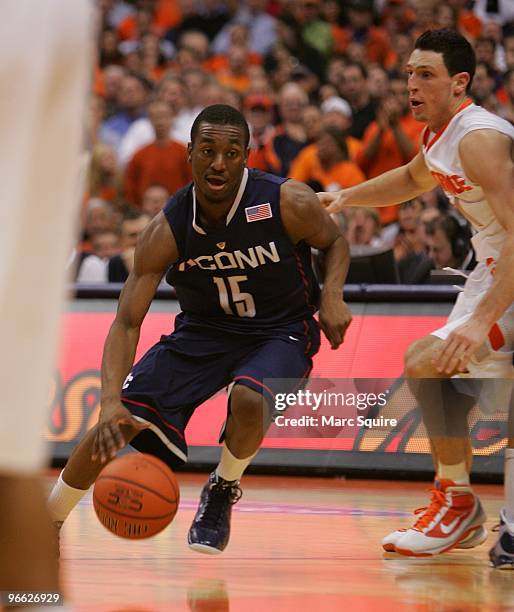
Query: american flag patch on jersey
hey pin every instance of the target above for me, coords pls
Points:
(259, 212)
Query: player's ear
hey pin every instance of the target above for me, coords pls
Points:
(189, 151)
(247, 154)
(460, 82)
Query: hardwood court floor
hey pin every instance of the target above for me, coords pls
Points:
(297, 544)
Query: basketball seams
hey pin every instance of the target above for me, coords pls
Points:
(155, 461)
(114, 515)
(141, 486)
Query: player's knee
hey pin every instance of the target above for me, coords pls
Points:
(246, 405)
(417, 360)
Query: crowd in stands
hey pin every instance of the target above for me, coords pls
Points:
(322, 85)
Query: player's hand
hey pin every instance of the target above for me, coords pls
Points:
(460, 346)
(109, 438)
(334, 319)
(333, 201)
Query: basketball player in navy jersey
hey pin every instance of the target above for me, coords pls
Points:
(237, 245)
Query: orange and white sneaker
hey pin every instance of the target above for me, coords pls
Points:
(454, 519)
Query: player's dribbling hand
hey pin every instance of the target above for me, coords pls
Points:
(334, 319)
(109, 438)
(332, 201)
(460, 346)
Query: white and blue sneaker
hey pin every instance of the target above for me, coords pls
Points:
(502, 553)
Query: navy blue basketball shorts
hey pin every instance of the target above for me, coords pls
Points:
(196, 361)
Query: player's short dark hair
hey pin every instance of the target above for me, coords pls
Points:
(458, 54)
(221, 114)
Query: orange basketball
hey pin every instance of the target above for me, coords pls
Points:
(136, 496)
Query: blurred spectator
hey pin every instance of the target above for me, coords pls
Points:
(119, 266)
(154, 200)
(312, 120)
(112, 78)
(485, 51)
(403, 46)
(261, 28)
(315, 32)
(93, 267)
(109, 52)
(258, 111)
(398, 17)
(98, 216)
(484, 83)
(331, 166)
(132, 96)
(290, 137)
(425, 16)
(508, 45)
(364, 227)
(104, 179)
(209, 18)
(361, 30)
(337, 113)
(164, 161)
(378, 82)
(172, 91)
(469, 25)
(390, 141)
(154, 60)
(410, 247)
(354, 88)
(508, 109)
(235, 76)
(449, 243)
(194, 81)
(291, 49)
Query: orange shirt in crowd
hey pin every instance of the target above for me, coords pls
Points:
(389, 155)
(342, 174)
(167, 15)
(308, 156)
(377, 45)
(156, 164)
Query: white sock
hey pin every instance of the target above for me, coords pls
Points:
(509, 484)
(63, 499)
(230, 467)
(457, 472)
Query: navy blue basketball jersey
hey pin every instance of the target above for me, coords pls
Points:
(246, 274)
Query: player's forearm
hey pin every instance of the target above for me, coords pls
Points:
(118, 358)
(337, 262)
(501, 294)
(389, 188)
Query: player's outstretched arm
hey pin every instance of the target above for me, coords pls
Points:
(155, 252)
(393, 187)
(304, 219)
(493, 170)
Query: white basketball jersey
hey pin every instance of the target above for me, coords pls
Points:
(441, 153)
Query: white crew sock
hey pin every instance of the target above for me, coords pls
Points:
(230, 467)
(63, 499)
(457, 472)
(509, 485)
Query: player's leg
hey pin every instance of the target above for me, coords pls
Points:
(454, 517)
(288, 355)
(244, 430)
(40, 118)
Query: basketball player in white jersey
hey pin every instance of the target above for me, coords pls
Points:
(45, 70)
(469, 152)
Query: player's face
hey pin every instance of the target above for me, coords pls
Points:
(434, 95)
(218, 157)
